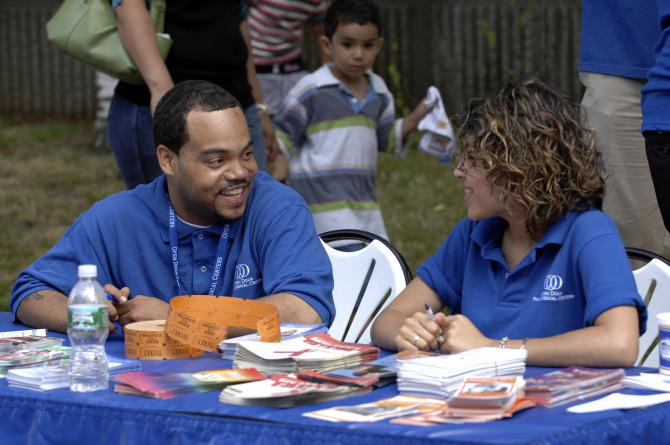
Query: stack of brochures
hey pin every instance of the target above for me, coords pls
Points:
(283, 391)
(44, 377)
(165, 386)
(318, 352)
(22, 349)
(382, 371)
(402, 405)
(288, 331)
(441, 375)
(573, 383)
(478, 399)
(46, 355)
(13, 344)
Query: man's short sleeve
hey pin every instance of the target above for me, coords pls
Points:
(294, 261)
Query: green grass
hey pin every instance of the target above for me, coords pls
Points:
(50, 173)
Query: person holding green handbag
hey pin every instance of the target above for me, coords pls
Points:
(210, 42)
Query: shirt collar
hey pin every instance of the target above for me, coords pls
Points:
(324, 77)
(487, 234)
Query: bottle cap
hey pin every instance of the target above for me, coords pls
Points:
(88, 271)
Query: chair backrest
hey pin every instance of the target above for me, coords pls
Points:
(366, 281)
(653, 285)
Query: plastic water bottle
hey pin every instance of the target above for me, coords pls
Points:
(87, 320)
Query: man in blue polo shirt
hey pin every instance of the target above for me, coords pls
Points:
(210, 225)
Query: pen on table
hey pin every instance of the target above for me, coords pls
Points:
(429, 312)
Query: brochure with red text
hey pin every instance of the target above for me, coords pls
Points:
(283, 391)
(288, 331)
(318, 352)
(378, 410)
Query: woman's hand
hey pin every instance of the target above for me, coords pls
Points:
(460, 334)
(419, 332)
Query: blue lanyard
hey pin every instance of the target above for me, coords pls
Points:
(221, 252)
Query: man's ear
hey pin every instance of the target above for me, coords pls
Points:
(167, 159)
(326, 46)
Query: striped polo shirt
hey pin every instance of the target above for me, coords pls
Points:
(277, 27)
(332, 140)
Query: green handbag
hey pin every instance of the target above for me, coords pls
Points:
(86, 30)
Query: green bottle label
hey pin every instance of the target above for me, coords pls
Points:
(87, 317)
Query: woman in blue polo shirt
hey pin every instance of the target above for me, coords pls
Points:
(536, 264)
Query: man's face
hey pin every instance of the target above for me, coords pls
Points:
(211, 177)
(352, 49)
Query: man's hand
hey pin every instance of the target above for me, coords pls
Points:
(120, 295)
(141, 308)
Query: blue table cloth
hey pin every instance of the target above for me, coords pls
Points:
(104, 417)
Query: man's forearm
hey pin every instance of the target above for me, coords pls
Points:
(44, 309)
(293, 309)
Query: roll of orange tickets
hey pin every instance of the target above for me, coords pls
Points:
(200, 322)
(147, 340)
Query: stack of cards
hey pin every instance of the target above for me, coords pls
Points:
(573, 383)
(289, 331)
(48, 355)
(318, 352)
(440, 375)
(44, 377)
(164, 386)
(379, 409)
(283, 391)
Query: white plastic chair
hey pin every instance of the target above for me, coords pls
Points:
(653, 285)
(366, 281)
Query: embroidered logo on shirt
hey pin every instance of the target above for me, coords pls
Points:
(552, 289)
(241, 271)
(553, 282)
(244, 277)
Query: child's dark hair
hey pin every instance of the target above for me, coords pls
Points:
(342, 12)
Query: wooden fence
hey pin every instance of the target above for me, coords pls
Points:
(464, 47)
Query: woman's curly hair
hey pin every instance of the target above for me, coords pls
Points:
(533, 143)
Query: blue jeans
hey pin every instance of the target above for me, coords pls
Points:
(130, 136)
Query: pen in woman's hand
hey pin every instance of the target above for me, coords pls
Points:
(429, 312)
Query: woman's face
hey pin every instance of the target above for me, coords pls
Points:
(479, 194)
